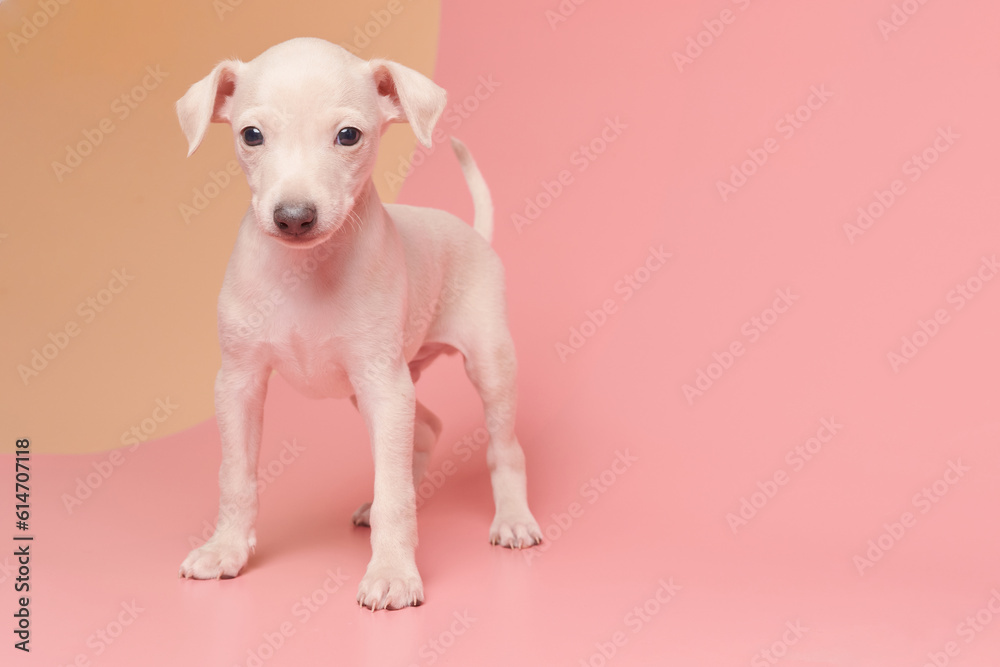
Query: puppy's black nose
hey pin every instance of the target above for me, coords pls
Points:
(294, 219)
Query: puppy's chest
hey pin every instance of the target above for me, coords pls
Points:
(311, 361)
(306, 340)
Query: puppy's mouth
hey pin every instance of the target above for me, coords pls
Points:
(312, 237)
(304, 241)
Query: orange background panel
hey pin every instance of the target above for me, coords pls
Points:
(112, 244)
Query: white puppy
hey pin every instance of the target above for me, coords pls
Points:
(347, 297)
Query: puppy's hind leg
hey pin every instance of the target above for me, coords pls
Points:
(426, 430)
(492, 368)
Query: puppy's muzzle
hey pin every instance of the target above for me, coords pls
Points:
(294, 219)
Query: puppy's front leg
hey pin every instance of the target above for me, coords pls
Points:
(388, 405)
(239, 407)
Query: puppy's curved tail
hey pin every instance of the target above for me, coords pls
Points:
(482, 220)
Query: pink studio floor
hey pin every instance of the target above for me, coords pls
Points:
(643, 556)
(844, 400)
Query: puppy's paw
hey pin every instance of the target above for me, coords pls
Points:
(385, 587)
(219, 558)
(362, 515)
(515, 530)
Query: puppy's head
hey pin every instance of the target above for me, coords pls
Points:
(307, 117)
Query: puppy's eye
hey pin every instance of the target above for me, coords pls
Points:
(252, 136)
(349, 136)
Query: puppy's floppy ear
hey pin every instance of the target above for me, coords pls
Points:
(209, 100)
(406, 95)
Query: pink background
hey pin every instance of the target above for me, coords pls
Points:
(663, 518)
